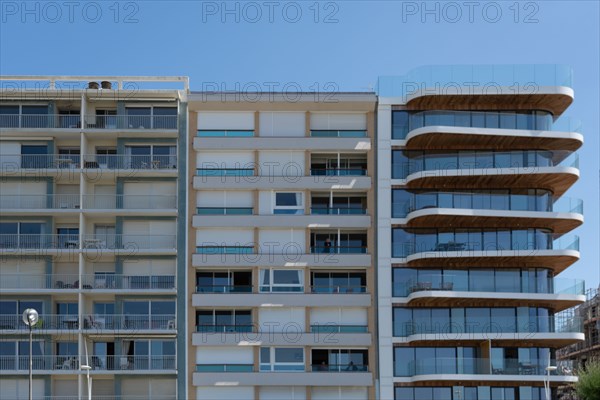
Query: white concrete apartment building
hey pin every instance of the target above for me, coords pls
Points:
(91, 236)
(473, 162)
(281, 247)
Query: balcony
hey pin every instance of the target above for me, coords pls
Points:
(335, 328)
(332, 296)
(71, 202)
(225, 172)
(553, 331)
(224, 210)
(10, 365)
(490, 210)
(482, 369)
(338, 250)
(338, 172)
(458, 290)
(335, 218)
(39, 282)
(36, 202)
(224, 328)
(224, 289)
(246, 179)
(478, 130)
(46, 322)
(115, 282)
(225, 133)
(553, 171)
(244, 375)
(108, 323)
(553, 251)
(39, 121)
(112, 242)
(481, 87)
(131, 122)
(60, 162)
(131, 363)
(246, 256)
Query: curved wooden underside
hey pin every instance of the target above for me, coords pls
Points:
(555, 179)
(555, 260)
(555, 100)
(466, 299)
(434, 218)
(445, 138)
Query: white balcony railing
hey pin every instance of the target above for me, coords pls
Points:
(11, 162)
(98, 281)
(72, 201)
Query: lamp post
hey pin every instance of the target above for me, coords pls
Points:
(549, 369)
(87, 368)
(30, 318)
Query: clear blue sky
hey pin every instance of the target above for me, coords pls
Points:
(306, 45)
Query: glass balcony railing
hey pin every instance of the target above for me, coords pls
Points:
(335, 328)
(339, 367)
(225, 133)
(338, 133)
(523, 77)
(552, 324)
(161, 122)
(225, 171)
(485, 241)
(225, 249)
(224, 210)
(74, 241)
(224, 367)
(131, 322)
(539, 121)
(338, 211)
(506, 284)
(338, 289)
(514, 161)
(483, 366)
(224, 289)
(486, 200)
(224, 328)
(338, 250)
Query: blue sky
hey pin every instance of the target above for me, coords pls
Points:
(308, 45)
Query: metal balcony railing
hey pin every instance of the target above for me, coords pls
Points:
(142, 122)
(224, 367)
(92, 241)
(130, 322)
(14, 322)
(129, 201)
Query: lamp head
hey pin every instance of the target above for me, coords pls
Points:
(30, 317)
(551, 368)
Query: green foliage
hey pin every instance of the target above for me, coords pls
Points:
(588, 387)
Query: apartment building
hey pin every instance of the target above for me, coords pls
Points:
(473, 163)
(281, 246)
(92, 236)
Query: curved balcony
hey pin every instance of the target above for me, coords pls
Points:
(476, 248)
(485, 370)
(552, 331)
(465, 288)
(482, 87)
(490, 209)
(480, 130)
(554, 171)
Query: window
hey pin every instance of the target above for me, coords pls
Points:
(288, 203)
(23, 235)
(224, 321)
(281, 359)
(149, 314)
(281, 280)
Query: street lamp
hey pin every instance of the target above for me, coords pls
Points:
(87, 368)
(30, 318)
(549, 369)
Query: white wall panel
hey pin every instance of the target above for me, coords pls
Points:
(226, 120)
(282, 163)
(283, 393)
(276, 319)
(338, 121)
(226, 236)
(225, 355)
(286, 124)
(225, 159)
(8, 155)
(225, 393)
(278, 239)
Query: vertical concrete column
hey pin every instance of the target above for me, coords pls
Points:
(307, 124)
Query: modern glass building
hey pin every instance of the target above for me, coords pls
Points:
(473, 230)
